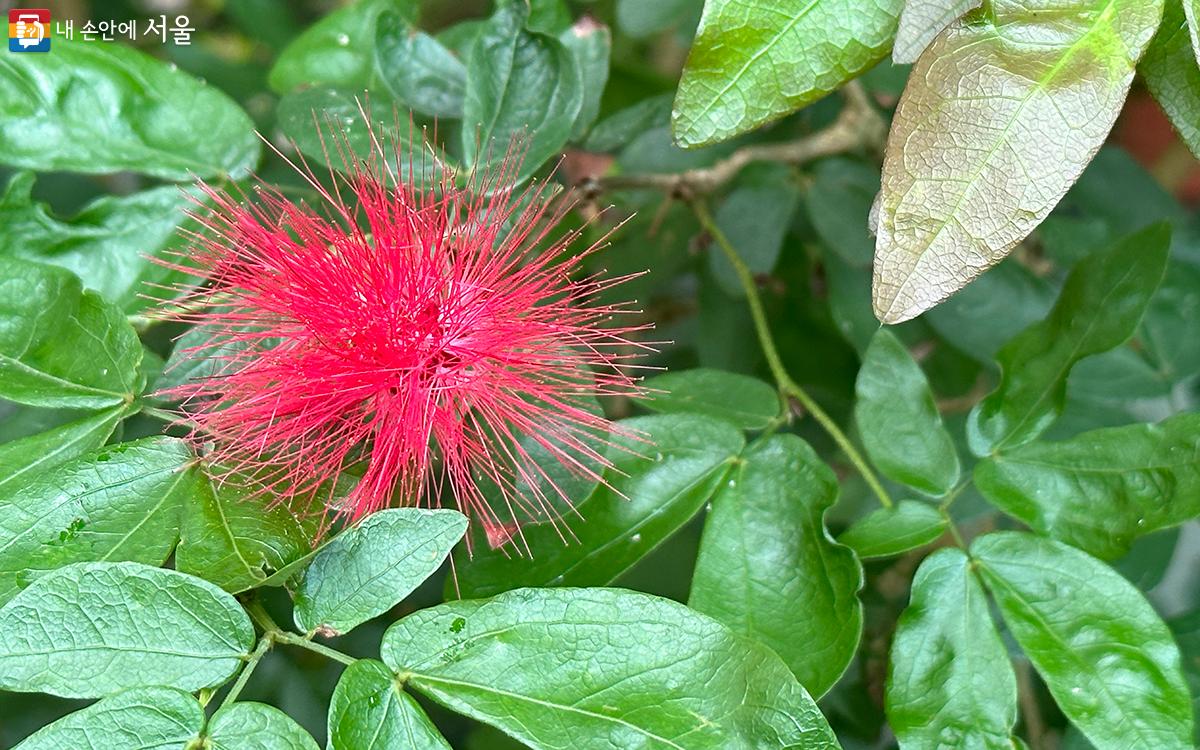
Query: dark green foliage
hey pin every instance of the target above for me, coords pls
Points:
(974, 529)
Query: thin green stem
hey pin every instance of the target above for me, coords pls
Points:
(330, 653)
(1035, 725)
(953, 495)
(843, 442)
(952, 527)
(787, 386)
(857, 127)
(778, 371)
(779, 421)
(261, 617)
(276, 634)
(944, 509)
(172, 310)
(264, 645)
(157, 413)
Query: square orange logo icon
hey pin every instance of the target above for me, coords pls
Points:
(29, 30)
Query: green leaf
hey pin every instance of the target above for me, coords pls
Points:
(664, 468)
(328, 125)
(839, 206)
(1191, 9)
(198, 354)
(1102, 489)
(418, 69)
(640, 19)
(994, 102)
(369, 711)
(233, 536)
(152, 718)
(1117, 196)
(768, 568)
(759, 213)
(93, 629)
(256, 726)
(1172, 75)
(899, 422)
(108, 243)
(1067, 238)
(590, 43)
(621, 127)
(37, 454)
(545, 16)
(921, 21)
(1113, 388)
(887, 532)
(520, 84)
(725, 330)
(756, 61)
(625, 670)
(1148, 559)
(653, 152)
(320, 118)
(542, 477)
(1122, 194)
(338, 50)
(1186, 629)
(274, 24)
(999, 305)
(61, 346)
(100, 108)
(119, 502)
(850, 300)
(1104, 653)
(1175, 307)
(950, 683)
(371, 567)
(202, 353)
(461, 36)
(1099, 308)
(743, 401)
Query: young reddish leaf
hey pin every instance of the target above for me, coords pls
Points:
(921, 21)
(1172, 73)
(1002, 113)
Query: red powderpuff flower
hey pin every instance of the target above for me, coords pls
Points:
(423, 331)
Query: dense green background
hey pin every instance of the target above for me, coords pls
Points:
(1110, 280)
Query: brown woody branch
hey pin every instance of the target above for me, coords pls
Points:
(858, 126)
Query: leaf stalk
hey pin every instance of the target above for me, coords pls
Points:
(788, 387)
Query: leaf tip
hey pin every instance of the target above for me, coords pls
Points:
(586, 26)
(904, 54)
(683, 133)
(890, 308)
(688, 131)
